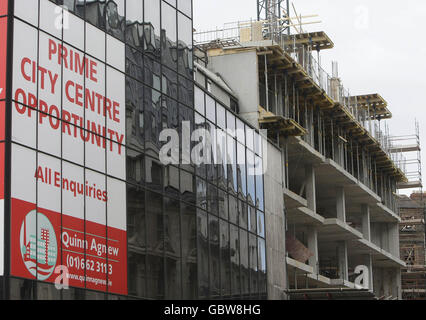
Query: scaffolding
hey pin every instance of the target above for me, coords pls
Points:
(412, 212)
(411, 162)
(413, 246)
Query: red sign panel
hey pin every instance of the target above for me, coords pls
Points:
(3, 52)
(39, 246)
(3, 7)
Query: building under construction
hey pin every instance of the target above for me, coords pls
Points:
(332, 187)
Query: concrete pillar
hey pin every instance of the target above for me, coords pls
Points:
(310, 188)
(384, 236)
(341, 204)
(387, 282)
(398, 284)
(342, 251)
(311, 132)
(393, 234)
(368, 262)
(313, 247)
(280, 107)
(366, 227)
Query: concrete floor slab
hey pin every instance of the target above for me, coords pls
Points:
(305, 216)
(336, 230)
(381, 258)
(293, 200)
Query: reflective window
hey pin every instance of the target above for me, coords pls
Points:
(262, 267)
(231, 192)
(168, 36)
(253, 266)
(155, 246)
(245, 269)
(251, 186)
(203, 255)
(199, 101)
(185, 51)
(260, 203)
(214, 243)
(235, 261)
(185, 6)
(210, 109)
(189, 252)
(172, 248)
(225, 259)
(152, 27)
(115, 18)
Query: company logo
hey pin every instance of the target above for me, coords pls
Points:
(39, 248)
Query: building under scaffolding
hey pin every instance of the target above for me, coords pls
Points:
(412, 213)
(412, 244)
(340, 169)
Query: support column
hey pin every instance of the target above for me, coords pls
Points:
(313, 247)
(366, 227)
(342, 251)
(384, 236)
(393, 234)
(310, 127)
(310, 187)
(398, 283)
(341, 204)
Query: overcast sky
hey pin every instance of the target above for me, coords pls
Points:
(379, 46)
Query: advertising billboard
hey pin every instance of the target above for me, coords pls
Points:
(68, 158)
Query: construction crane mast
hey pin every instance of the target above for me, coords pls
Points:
(273, 11)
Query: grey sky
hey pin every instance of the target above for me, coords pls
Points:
(378, 44)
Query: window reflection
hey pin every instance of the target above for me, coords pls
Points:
(168, 36)
(262, 267)
(185, 51)
(155, 245)
(134, 23)
(172, 247)
(135, 114)
(189, 252)
(115, 20)
(225, 256)
(136, 233)
(214, 257)
(203, 255)
(235, 262)
(244, 256)
(253, 266)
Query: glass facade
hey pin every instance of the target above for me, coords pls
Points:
(92, 92)
(230, 206)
